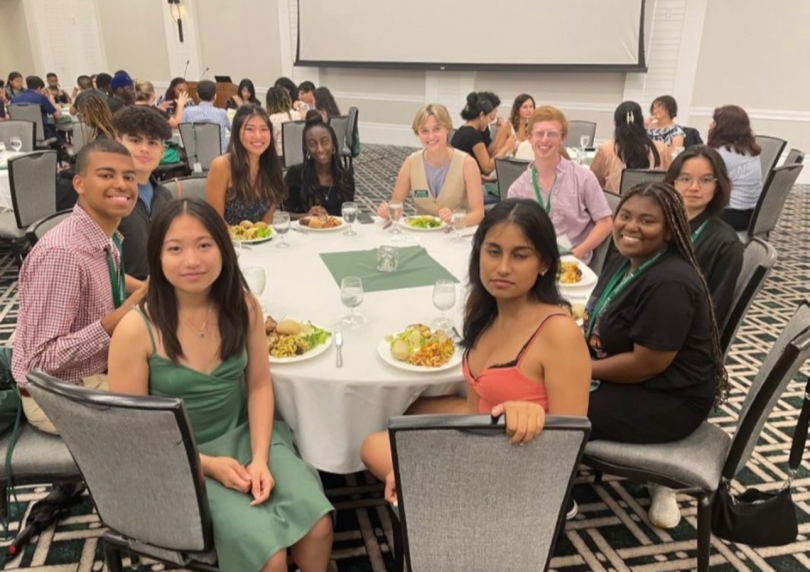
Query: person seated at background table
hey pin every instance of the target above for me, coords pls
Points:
(631, 148)
(72, 284)
(730, 133)
(325, 104)
(320, 185)
(84, 88)
(14, 85)
(279, 107)
(3, 101)
(246, 183)
(145, 96)
(175, 99)
(661, 125)
(524, 354)
(699, 175)
(59, 95)
(568, 192)
(123, 92)
(518, 124)
(103, 83)
(470, 138)
(245, 95)
(306, 96)
(652, 334)
(438, 178)
(38, 95)
(142, 131)
(205, 112)
(199, 335)
(295, 95)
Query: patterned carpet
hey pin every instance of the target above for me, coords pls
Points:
(611, 532)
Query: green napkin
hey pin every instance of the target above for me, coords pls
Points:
(416, 268)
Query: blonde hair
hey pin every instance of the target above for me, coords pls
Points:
(549, 113)
(436, 110)
(144, 90)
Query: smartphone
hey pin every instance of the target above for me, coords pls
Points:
(365, 218)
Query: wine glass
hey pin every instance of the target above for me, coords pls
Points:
(281, 224)
(351, 296)
(459, 222)
(444, 298)
(16, 143)
(395, 214)
(256, 280)
(237, 247)
(584, 141)
(349, 213)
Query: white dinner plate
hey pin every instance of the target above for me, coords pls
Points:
(403, 222)
(384, 349)
(341, 226)
(314, 352)
(588, 276)
(256, 240)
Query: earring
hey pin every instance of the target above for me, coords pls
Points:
(308, 156)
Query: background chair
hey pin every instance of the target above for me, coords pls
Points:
(114, 439)
(25, 130)
(458, 478)
(346, 154)
(82, 134)
(340, 124)
(698, 464)
(187, 188)
(33, 113)
(600, 252)
(772, 148)
(450, 135)
(771, 201)
(577, 129)
(633, 177)
(39, 228)
(794, 156)
(202, 142)
(292, 141)
(508, 171)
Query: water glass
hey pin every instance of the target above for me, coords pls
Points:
(395, 209)
(387, 258)
(351, 296)
(349, 213)
(444, 298)
(237, 247)
(583, 141)
(16, 143)
(281, 224)
(256, 280)
(458, 222)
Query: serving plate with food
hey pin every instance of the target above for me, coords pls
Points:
(423, 223)
(574, 273)
(291, 341)
(321, 223)
(419, 349)
(248, 232)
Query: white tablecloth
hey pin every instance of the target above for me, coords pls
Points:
(333, 409)
(5, 190)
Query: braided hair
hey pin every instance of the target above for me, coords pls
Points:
(674, 211)
(96, 114)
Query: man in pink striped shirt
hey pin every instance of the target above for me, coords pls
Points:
(72, 287)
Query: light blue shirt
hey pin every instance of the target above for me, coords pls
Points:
(146, 193)
(745, 173)
(205, 112)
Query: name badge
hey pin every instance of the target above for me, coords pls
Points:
(421, 194)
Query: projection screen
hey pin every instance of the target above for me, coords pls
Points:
(575, 35)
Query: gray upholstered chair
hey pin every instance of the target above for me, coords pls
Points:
(633, 177)
(508, 170)
(292, 141)
(576, 129)
(600, 252)
(794, 156)
(139, 459)
(340, 124)
(458, 478)
(32, 179)
(25, 130)
(771, 201)
(772, 148)
(346, 153)
(187, 187)
(698, 464)
(39, 228)
(759, 258)
(32, 112)
(82, 134)
(202, 142)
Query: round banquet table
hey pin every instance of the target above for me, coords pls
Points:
(331, 409)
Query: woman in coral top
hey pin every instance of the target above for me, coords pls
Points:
(525, 355)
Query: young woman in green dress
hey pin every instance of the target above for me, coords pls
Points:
(199, 334)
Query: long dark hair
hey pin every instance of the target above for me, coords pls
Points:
(722, 190)
(529, 216)
(290, 87)
(246, 83)
(228, 292)
(475, 106)
(171, 94)
(633, 145)
(309, 177)
(269, 184)
(732, 130)
(514, 116)
(674, 211)
(325, 101)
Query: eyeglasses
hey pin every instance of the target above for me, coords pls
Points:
(703, 182)
(552, 135)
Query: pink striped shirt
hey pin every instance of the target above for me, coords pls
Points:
(65, 290)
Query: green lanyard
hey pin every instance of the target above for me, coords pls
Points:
(117, 278)
(547, 206)
(699, 229)
(614, 287)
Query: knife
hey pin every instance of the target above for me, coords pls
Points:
(299, 229)
(387, 225)
(339, 348)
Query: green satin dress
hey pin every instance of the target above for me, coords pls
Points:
(245, 537)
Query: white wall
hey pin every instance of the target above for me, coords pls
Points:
(15, 43)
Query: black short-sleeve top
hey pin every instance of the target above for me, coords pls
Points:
(466, 138)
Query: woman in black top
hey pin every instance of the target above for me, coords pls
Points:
(320, 185)
(470, 137)
(245, 95)
(699, 175)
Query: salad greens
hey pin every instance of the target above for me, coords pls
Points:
(314, 335)
(424, 221)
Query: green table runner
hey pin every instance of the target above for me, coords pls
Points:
(416, 268)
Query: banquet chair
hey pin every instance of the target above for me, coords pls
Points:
(794, 156)
(202, 142)
(633, 177)
(508, 171)
(114, 439)
(577, 129)
(33, 113)
(32, 179)
(700, 463)
(292, 141)
(600, 252)
(187, 188)
(759, 258)
(340, 124)
(25, 130)
(771, 201)
(38, 229)
(82, 134)
(346, 154)
(459, 507)
(772, 148)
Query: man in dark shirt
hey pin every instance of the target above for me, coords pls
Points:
(59, 94)
(38, 94)
(85, 88)
(123, 90)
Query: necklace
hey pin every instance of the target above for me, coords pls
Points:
(201, 331)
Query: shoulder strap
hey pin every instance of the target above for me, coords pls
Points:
(148, 329)
(534, 335)
(800, 434)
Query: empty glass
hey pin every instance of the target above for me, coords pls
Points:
(349, 213)
(458, 222)
(351, 296)
(395, 214)
(16, 143)
(256, 280)
(387, 258)
(237, 247)
(584, 141)
(444, 298)
(281, 224)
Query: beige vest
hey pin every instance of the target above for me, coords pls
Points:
(453, 194)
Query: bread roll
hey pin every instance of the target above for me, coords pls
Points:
(260, 224)
(399, 350)
(315, 222)
(246, 224)
(288, 327)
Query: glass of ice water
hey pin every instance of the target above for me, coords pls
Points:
(351, 296)
(444, 298)
(256, 280)
(458, 222)
(349, 213)
(584, 141)
(281, 224)
(395, 214)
